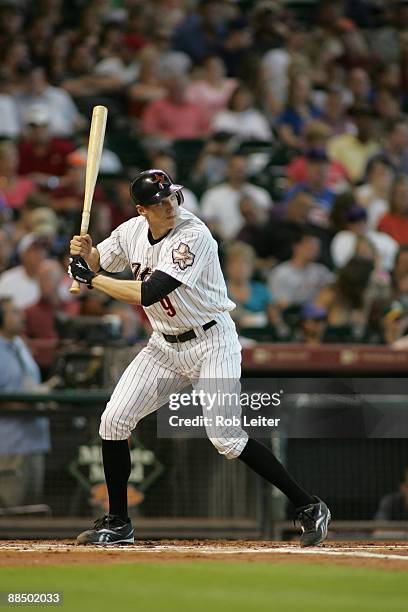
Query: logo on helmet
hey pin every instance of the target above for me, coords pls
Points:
(158, 178)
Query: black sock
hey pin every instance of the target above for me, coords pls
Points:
(117, 466)
(262, 460)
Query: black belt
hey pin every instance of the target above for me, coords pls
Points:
(188, 335)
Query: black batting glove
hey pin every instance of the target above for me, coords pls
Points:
(79, 270)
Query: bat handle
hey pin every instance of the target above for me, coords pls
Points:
(75, 287)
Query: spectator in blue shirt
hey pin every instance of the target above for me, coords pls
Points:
(23, 440)
(316, 184)
(297, 112)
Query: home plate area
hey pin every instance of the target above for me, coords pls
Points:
(387, 555)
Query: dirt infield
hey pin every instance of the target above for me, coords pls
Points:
(379, 555)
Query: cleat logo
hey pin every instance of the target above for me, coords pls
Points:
(182, 256)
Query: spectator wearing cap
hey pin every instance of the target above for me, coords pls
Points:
(20, 283)
(343, 246)
(241, 119)
(42, 156)
(354, 150)
(212, 88)
(298, 280)
(313, 322)
(374, 194)
(63, 116)
(220, 204)
(316, 135)
(174, 117)
(14, 188)
(316, 184)
(395, 222)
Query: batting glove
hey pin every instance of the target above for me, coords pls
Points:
(79, 270)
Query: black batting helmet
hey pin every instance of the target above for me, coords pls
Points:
(153, 186)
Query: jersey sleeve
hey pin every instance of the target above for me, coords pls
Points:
(187, 255)
(112, 256)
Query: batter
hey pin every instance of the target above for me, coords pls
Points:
(179, 282)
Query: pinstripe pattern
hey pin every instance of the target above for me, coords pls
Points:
(211, 362)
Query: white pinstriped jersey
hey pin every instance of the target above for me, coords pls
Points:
(188, 253)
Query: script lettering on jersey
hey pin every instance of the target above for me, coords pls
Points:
(144, 275)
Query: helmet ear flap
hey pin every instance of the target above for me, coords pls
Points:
(180, 197)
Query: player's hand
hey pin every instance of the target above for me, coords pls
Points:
(81, 245)
(79, 270)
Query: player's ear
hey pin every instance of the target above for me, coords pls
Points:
(140, 210)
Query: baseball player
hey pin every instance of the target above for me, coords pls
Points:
(179, 282)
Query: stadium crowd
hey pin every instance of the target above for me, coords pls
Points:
(285, 121)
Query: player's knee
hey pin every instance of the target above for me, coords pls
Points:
(230, 448)
(113, 427)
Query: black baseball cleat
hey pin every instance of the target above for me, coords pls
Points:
(107, 530)
(314, 520)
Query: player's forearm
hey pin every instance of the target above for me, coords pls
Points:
(122, 290)
(93, 260)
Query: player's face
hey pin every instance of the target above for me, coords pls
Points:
(164, 214)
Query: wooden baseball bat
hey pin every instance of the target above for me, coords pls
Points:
(93, 160)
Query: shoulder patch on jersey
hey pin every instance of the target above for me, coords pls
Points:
(182, 256)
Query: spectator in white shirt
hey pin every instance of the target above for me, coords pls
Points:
(374, 194)
(64, 115)
(299, 280)
(241, 118)
(20, 283)
(220, 204)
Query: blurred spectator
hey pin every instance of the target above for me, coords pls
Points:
(298, 111)
(21, 282)
(351, 301)
(394, 506)
(312, 324)
(354, 150)
(110, 162)
(344, 243)
(358, 91)
(9, 118)
(174, 117)
(212, 89)
(201, 33)
(316, 136)
(387, 105)
(220, 204)
(287, 225)
(374, 194)
(14, 189)
(316, 184)
(131, 326)
(237, 50)
(298, 280)
(42, 156)
(211, 165)
(277, 61)
(148, 86)
(241, 118)
(395, 324)
(119, 69)
(400, 277)
(63, 115)
(395, 148)
(253, 231)
(254, 302)
(23, 440)
(6, 248)
(334, 113)
(170, 61)
(395, 222)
